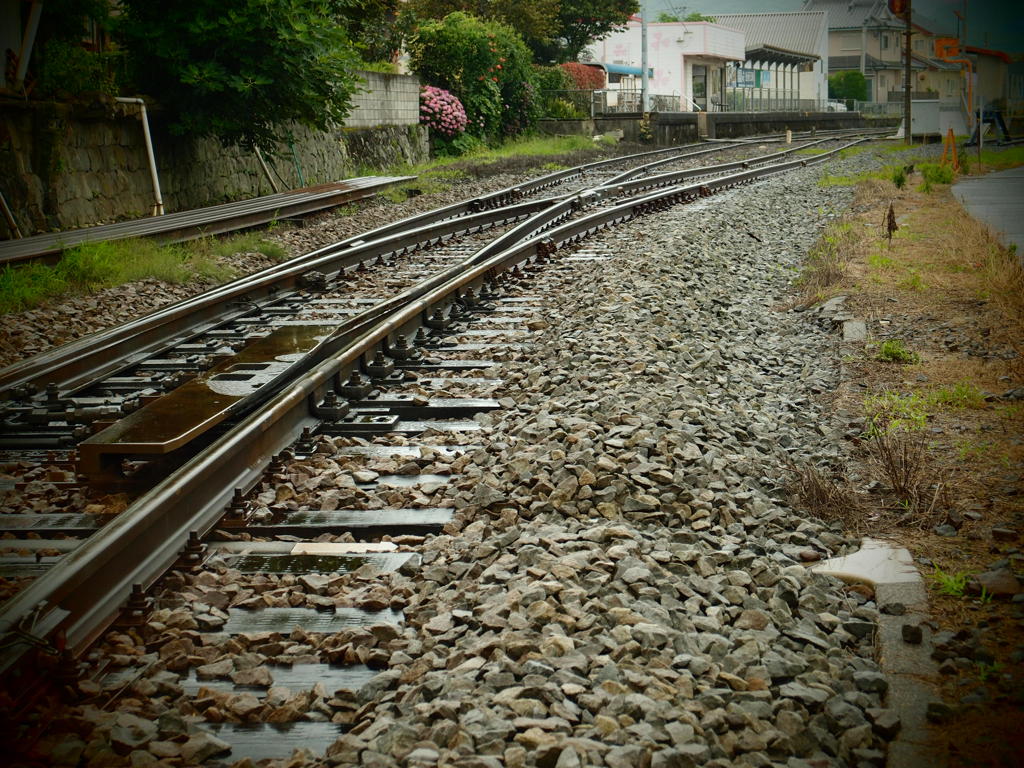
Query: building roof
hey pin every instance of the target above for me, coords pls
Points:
(842, 63)
(797, 33)
(854, 14)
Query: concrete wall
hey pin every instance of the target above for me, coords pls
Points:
(667, 129)
(672, 128)
(727, 125)
(388, 100)
(64, 167)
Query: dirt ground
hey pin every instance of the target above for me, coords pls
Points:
(934, 400)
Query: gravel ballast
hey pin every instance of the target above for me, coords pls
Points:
(624, 584)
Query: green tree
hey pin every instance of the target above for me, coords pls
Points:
(580, 23)
(666, 18)
(486, 65)
(849, 84)
(242, 69)
(699, 17)
(532, 19)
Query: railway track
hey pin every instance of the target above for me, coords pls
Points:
(401, 387)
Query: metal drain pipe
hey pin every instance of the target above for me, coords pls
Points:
(158, 203)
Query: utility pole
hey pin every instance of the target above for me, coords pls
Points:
(644, 82)
(908, 84)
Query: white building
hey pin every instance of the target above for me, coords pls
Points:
(688, 59)
(786, 59)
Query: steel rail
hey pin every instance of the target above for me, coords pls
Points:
(201, 222)
(73, 364)
(83, 592)
(101, 353)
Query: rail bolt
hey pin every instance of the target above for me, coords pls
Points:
(356, 388)
(381, 367)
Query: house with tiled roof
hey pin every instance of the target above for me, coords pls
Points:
(865, 36)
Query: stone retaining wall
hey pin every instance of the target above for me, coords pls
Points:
(66, 167)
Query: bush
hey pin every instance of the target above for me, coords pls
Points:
(552, 79)
(934, 173)
(561, 109)
(442, 112)
(584, 77)
(486, 65)
(68, 69)
(242, 69)
(850, 84)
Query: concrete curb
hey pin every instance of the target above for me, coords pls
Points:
(909, 668)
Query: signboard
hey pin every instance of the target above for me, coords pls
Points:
(749, 78)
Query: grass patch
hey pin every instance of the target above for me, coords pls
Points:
(811, 151)
(878, 260)
(93, 266)
(893, 351)
(852, 151)
(901, 147)
(951, 584)
(992, 159)
(827, 261)
(247, 242)
(934, 174)
(963, 394)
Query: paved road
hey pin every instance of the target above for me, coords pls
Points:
(998, 200)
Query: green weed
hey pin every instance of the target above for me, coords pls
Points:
(893, 351)
(952, 584)
(893, 411)
(899, 177)
(913, 281)
(934, 173)
(987, 670)
(963, 394)
(879, 260)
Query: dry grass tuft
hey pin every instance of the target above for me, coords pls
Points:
(828, 498)
(903, 459)
(827, 262)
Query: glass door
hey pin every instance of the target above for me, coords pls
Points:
(700, 86)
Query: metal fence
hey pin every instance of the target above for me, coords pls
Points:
(578, 104)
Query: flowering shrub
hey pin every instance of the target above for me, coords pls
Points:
(442, 112)
(486, 65)
(586, 78)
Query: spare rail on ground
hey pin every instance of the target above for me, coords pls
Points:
(201, 222)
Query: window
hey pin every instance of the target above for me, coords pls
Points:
(950, 86)
(885, 42)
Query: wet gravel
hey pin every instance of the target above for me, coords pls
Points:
(624, 583)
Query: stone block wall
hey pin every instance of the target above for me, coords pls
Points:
(388, 100)
(64, 167)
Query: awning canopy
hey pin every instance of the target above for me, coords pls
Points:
(770, 54)
(620, 69)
